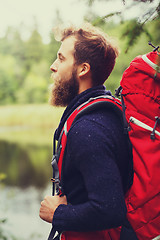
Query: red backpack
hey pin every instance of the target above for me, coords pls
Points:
(140, 94)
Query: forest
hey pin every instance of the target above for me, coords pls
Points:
(25, 64)
(27, 121)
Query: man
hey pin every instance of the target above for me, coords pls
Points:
(97, 164)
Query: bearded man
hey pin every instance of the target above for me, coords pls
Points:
(96, 168)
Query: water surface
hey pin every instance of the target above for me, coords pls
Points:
(25, 173)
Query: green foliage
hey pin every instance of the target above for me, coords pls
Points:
(2, 176)
(34, 49)
(51, 51)
(33, 116)
(155, 30)
(25, 64)
(25, 164)
(8, 86)
(24, 69)
(135, 28)
(101, 20)
(133, 31)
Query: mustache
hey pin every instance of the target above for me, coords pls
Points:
(55, 78)
(50, 88)
(52, 76)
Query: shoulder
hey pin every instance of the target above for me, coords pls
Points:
(100, 124)
(100, 136)
(98, 118)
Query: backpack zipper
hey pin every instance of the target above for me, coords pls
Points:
(143, 125)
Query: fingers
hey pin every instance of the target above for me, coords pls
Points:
(49, 205)
(46, 211)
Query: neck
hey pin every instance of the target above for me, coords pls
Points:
(85, 84)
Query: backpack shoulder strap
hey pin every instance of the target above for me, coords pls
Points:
(92, 104)
(104, 101)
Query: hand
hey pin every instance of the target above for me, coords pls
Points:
(49, 205)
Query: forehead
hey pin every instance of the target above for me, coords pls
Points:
(67, 47)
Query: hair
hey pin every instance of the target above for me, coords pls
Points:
(94, 47)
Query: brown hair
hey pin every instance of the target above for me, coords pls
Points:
(94, 47)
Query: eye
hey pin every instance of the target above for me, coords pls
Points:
(60, 57)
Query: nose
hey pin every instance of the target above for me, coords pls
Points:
(53, 67)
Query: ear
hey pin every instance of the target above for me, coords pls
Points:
(84, 68)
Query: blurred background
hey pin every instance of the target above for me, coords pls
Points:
(27, 122)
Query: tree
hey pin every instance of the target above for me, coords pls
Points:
(34, 49)
(52, 49)
(137, 26)
(34, 89)
(53, 45)
(8, 83)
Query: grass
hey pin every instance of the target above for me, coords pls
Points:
(29, 124)
(33, 115)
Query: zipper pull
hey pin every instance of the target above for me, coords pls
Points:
(152, 136)
(129, 125)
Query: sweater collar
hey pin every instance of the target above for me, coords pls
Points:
(77, 101)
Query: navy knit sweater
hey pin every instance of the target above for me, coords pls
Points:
(96, 170)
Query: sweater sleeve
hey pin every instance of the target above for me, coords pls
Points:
(93, 149)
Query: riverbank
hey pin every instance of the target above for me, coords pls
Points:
(26, 133)
(31, 115)
(29, 124)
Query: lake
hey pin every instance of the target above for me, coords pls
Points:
(25, 173)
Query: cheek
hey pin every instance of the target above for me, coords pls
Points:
(64, 76)
(65, 70)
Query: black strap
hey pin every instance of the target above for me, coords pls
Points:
(126, 127)
(127, 232)
(55, 179)
(118, 93)
(54, 235)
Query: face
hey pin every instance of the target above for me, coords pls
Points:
(65, 86)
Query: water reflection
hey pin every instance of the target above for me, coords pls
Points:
(25, 165)
(20, 208)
